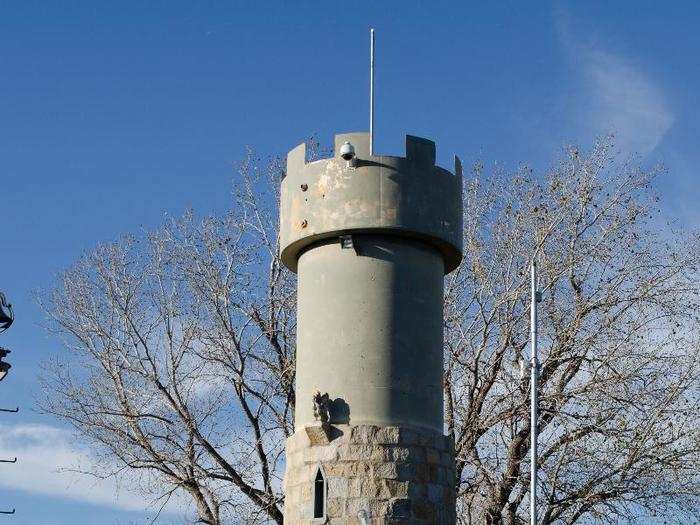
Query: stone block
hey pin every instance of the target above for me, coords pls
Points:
(383, 488)
(442, 476)
(436, 494)
(360, 468)
(424, 510)
(397, 489)
(433, 474)
(439, 443)
(448, 497)
(417, 491)
(386, 470)
(422, 473)
(417, 454)
(396, 453)
(335, 507)
(364, 434)
(388, 436)
(349, 469)
(447, 459)
(337, 486)
(336, 469)
(405, 470)
(400, 508)
(318, 435)
(306, 492)
(408, 436)
(432, 455)
(355, 505)
(316, 454)
(378, 454)
(348, 452)
(379, 509)
(371, 488)
(355, 487)
(329, 453)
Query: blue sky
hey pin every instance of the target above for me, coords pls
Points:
(113, 114)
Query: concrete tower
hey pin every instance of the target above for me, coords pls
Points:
(371, 240)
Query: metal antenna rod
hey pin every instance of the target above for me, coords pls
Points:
(371, 91)
(534, 372)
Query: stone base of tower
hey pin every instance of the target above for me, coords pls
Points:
(393, 474)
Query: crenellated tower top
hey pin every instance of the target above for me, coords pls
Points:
(374, 194)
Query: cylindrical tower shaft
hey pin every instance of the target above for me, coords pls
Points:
(370, 331)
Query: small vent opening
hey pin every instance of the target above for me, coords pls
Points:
(319, 494)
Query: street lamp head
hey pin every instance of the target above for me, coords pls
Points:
(4, 366)
(6, 314)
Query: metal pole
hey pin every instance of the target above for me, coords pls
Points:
(371, 91)
(534, 366)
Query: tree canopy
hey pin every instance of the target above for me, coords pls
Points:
(177, 361)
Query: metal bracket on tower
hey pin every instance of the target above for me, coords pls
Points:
(346, 242)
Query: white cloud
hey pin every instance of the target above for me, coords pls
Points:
(44, 453)
(626, 101)
(615, 94)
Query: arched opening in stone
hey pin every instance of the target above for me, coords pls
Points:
(319, 494)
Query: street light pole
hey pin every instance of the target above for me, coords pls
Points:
(535, 297)
(6, 319)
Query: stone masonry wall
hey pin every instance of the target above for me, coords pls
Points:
(393, 474)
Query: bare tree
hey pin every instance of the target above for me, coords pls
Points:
(179, 368)
(620, 433)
